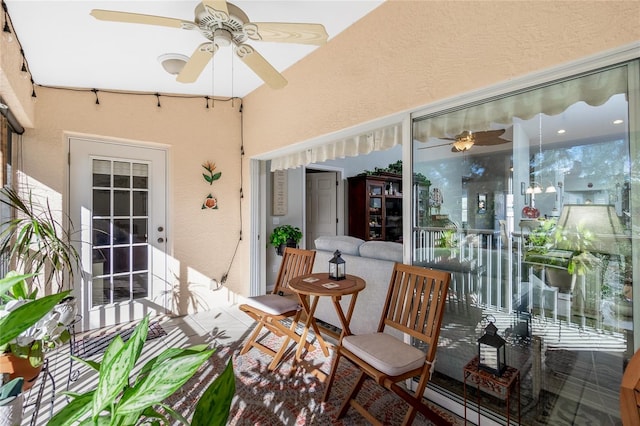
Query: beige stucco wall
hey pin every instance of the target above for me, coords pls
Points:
(407, 54)
(201, 241)
(404, 55)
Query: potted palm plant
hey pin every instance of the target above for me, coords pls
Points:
(285, 236)
(34, 241)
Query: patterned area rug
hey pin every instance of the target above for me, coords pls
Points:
(286, 397)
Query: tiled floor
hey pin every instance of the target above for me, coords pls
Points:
(219, 326)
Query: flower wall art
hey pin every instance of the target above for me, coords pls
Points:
(210, 202)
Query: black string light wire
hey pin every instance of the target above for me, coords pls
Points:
(95, 92)
(6, 30)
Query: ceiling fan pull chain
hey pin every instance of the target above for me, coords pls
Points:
(213, 80)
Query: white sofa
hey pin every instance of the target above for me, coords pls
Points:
(372, 261)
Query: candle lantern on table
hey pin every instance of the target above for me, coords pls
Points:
(337, 267)
(491, 351)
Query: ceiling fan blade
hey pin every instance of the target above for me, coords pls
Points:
(137, 18)
(434, 146)
(284, 32)
(489, 137)
(218, 9)
(200, 58)
(260, 66)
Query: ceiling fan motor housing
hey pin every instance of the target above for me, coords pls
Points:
(223, 32)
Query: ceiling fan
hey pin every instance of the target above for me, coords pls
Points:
(224, 24)
(467, 139)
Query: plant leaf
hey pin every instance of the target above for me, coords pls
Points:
(174, 414)
(73, 411)
(214, 404)
(117, 365)
(10, 280)
(26, 315)
(93, 364)
(170, 353)
(165, 378)
(216, 176)
(207, 177)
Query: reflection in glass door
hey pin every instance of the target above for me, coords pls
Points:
(119, 206)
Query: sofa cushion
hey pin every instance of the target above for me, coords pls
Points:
(385, 250)
(344, 243)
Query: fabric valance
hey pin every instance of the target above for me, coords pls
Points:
(375, 140)
(553, 99)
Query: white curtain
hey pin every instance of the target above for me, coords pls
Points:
(595, 90)
(375, 140)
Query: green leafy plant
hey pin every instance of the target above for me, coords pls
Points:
(34, 240)
(120, 399)
(30, 325)
(283, 234)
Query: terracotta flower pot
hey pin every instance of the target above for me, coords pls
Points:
(19, 367)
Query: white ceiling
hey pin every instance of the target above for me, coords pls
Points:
(66, 47)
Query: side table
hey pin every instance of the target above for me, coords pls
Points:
(501, 387)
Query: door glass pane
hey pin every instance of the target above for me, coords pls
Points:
(121, 203)
(140, 257)
(121, 288)
(101, 173)
(101, 232)
(121, 174)
(121, 231)
(140, 176)
(121, 259)
(115, 230)
(140, 203)
(140, 288)
(531, 215)
(101, 202)
(139, 230)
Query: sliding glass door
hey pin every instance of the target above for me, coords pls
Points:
(527, 200)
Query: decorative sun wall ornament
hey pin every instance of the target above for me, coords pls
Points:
(210, 176)
(210, 202)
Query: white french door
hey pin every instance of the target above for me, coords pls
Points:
(117, 204)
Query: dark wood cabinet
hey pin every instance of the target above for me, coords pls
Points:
(375, 207)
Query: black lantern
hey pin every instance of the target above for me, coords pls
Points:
(491, 351)
(337, 267)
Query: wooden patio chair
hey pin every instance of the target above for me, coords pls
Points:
(630, 392)
(414, 306)
(270, 309)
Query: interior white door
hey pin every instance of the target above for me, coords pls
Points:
(321, 210)
(117, 202)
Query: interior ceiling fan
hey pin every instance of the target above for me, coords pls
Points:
(225, 24)
(467, 139)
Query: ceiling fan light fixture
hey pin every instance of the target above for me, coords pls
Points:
(464, 142)
(222, 38)
(173, 62)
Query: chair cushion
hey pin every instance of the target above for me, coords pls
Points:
(385, 353)
(274, 304)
